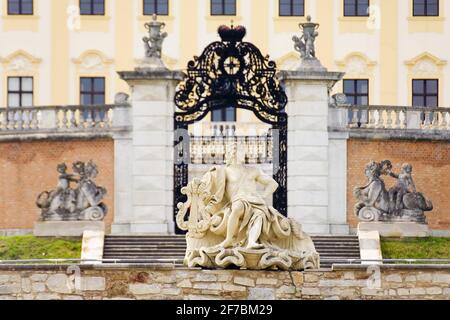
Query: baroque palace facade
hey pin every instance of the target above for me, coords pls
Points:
(381, 45)
(59, 63)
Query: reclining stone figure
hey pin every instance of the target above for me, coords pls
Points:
(230, 223)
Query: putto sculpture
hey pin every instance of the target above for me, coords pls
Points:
(400, 203)
(82, 203)
(305, 44)
(153, 45)
(231, 224)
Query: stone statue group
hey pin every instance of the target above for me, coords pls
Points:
(402, 202)
(231, 224)
(72, 204)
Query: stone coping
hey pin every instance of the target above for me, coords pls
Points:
(309, 75)
(395, 134)
(169, 267)
(52, 135)
(386, 266)
(157, 74)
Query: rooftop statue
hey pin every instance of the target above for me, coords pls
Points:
(81, 203)
(231, 224)
(305, 44)
(153, 45)
(400, 203)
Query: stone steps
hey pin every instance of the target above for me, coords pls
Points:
(171, 248)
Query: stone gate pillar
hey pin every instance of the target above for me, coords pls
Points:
(316, 157)
(150, 166)
(316, 162)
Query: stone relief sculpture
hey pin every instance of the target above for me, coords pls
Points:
(305, 44)
(67, 204)
(230, 223)
(400, 203)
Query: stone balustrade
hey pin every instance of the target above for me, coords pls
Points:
(213, 149)
(62, 119)
(379, 118)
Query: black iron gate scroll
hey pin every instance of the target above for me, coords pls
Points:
(231, 73)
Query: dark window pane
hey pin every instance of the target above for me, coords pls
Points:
(362, 100)
(432, 101)
(419, 10)
(351, 99)
(86, 99)
(149, 7)
(85, 7)
(285, 9)
(99, 7)
(349, 87)
(363, 9)
(418, 101)
(99, 85)
(216, 7)
(163, 7)
(230, 7)
(230, 114)
(418, 87)
(86, 84)
(432, 86)
(13, 7)
(27, 7)
(216, 115)
(13, 100)
(298, 8)
(362, 86)
(99, 99)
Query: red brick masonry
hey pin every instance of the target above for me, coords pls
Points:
(431, 172)
(28, 168)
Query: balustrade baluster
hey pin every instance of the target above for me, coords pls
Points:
(444, 120)
(26, 119)
(435, 119)
(427, 122)
(354, 122)
(364, 120)
(2, 120)
(371, 118)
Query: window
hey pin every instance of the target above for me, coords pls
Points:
(160, 7)
(425, 8)
(24, 7)
(223, 7)
(292, 7)
(357, 91)
(425, 92)
(224, 115)
(92, 91)
(20, 92)
(92, 7)
(356, 8)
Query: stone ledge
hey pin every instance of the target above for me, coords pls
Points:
(66, 228)
(395, 134)
(406, 267)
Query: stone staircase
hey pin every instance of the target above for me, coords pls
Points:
(171, 248)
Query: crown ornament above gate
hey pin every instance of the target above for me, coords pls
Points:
(231, 73)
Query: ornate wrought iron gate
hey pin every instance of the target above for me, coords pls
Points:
(231, 73)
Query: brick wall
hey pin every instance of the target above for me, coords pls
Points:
(431, 172)
(28, 168)
(107, 282)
